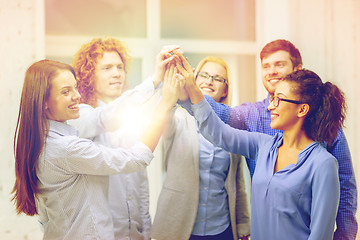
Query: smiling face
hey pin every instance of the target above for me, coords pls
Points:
(208, 86)
(63, 101)
(109, 77)
(286, 115)
(274, 68)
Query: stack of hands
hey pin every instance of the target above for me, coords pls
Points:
(179, 80)
(178, 76)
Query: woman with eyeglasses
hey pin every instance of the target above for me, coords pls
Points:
(295, 187)
(203, 194)
(63, 178)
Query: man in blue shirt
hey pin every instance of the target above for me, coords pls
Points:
(279, 58)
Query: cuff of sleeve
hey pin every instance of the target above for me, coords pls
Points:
(201, 110)
(243, 229)
(144, 151)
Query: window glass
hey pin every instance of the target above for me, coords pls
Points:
(232, 20)
(125, 18)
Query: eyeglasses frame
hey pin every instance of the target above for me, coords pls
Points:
(272, 99)
(224, 80)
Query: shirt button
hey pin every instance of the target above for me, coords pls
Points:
(202, 219)
(203, 204)
(206, 170)
(205, 188)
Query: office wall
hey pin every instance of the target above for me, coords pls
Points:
(19, 47)
(326, 32)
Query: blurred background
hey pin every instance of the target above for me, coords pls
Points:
(327, 33)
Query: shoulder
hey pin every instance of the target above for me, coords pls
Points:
(321, 158)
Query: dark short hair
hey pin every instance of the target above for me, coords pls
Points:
(284, 45)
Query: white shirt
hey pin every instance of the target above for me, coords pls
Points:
(128, 193)
(73, 183)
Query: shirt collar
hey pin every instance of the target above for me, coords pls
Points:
(100, 103)
(62, 129)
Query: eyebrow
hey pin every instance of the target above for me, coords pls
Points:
(276, 62)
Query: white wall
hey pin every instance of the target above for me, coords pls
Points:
(19, 37)
(326, 31)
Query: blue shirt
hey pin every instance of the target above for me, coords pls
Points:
(255, 117)
(298, 202)
(213, 210)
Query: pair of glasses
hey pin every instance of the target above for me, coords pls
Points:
(276, 101)
(205, 75)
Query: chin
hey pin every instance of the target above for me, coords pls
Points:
(74, 116)
(273, 126)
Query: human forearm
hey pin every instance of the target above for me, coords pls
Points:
(170, 94)
(156, 127)
(224, 136)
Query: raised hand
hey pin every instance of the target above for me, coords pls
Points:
(187, 71)
(165, 56)
(170, 89)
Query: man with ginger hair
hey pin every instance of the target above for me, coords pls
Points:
(101, 66)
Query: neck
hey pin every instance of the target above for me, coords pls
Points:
(296, 138)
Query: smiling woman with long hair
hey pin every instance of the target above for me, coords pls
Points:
(295, 189)
(64, 178)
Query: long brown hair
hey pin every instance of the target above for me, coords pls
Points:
(30, 131)
(326, 101)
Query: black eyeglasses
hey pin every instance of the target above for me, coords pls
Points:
(276, 100)
(205, 75)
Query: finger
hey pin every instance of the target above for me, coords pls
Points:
(181, 80)
(171, 72)
(181, 69)
(166, 61)
(169, 50)
(174, 79)
(166, 76)
(185, 63)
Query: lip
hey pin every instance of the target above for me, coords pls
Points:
(116, 83)
(207, 89)
(274, 80)
(273, 115)
(74, 107)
